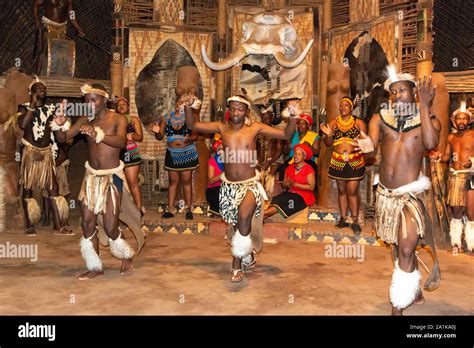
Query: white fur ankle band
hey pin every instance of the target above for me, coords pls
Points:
(404, 287)
(121, 249)
(241, 245)
(93, 262)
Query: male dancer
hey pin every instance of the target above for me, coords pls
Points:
(103, 181)
(460, 149)
(406, 130)
(241, 191)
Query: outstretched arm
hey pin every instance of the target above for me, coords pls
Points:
(430, 129)
(283, 134)
(201, 127)
(64, 134)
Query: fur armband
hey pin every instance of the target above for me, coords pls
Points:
(65, 127)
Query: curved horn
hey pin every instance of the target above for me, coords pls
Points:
(284, 62)
(230, 61)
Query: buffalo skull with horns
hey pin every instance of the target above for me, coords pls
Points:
(267, 34)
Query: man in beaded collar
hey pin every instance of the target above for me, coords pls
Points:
(400, 213)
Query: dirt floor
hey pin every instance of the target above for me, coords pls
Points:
(189, 275)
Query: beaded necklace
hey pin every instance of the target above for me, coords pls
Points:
(344, 126)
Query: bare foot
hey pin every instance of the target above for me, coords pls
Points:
(455, 251)
(127, 267)
(398, 312)
(90, 275)
(419, 299)
(64, 231)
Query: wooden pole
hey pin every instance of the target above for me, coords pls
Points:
(116, 72)
(221, 51)
(327, 24)
(424, 66)
(424, 46)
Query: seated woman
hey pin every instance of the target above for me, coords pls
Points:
(303, 135)
(299, 180)
(214, 169)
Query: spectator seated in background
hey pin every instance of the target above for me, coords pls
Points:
(299, 181)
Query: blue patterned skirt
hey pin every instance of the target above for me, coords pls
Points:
(178, 159)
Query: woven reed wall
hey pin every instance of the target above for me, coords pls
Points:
(18, 35)
(308, 3)
(301, 21)
(138, 11)
(409, 30)
(363, 10)
(340, 13)
(453, 45)
(142, 47)
(460, 81)
(202, 13)
(245, 2)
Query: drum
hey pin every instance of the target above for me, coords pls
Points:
(60, 58)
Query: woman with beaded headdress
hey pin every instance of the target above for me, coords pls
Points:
(347, 166)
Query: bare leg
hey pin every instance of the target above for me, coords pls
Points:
(45, 212)
(89, 221)
(407, 259)
(186, 180)
(342, 201)
(173, 178)
(353, 193)
(469, 228)
(457, 212)
(131, 174)
(30, 228)
(470, 205)
(111, 222)
(244, 224)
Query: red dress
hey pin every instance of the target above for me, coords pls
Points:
(301, 177)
